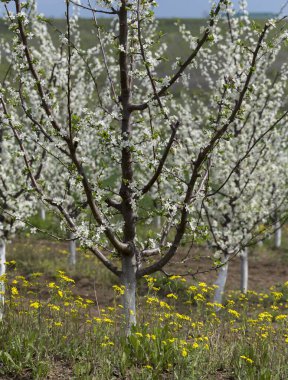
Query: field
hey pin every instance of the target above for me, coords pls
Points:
(63, 323)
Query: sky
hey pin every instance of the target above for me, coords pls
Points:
(170, 8)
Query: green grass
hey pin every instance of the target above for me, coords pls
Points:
(51, 331)
(56, 327)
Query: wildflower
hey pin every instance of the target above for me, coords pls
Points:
(183, 317)
(107, 320)
(199, 297)
(172, 295)
(281, 317)
(36, 274)
(248, 360)
(65, 278)
(54, 307)
(148, 366)
(184, 352)
(234, 313)
(14, 291)
(277, 295)
(58, 324)
(35, 305)
(195, 345)
(164, 305)
(118, 289)
(52, 285)
(139, 334)
(107, 344)
(265, 316)
(151, 300)
(174, 277)
(60, 293)
(150, 280)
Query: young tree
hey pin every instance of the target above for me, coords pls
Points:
(16, 205)
(134, 124)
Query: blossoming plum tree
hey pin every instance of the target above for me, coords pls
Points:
(254, 161)
(131, 139)
(14, 192)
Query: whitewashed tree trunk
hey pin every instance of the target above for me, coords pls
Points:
(72, 250)
(221, 281)
(278, 235)
(244, 271)
(158, 222)
(42, 213)
(129, 298)
(2, 272)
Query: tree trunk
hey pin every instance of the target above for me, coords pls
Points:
(277, 235)
(2, 272)
(221, 281)
(158, 222)
(244, 271)
(72, 250)
(42, 213)
(128, 279)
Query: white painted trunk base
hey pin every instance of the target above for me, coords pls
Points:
(221, 281)
(2, 272)
(42, 213)
(278, 235)
(129, 298)
(158, 222)
(244, 271)
(72, 250)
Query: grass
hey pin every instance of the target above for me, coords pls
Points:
(69, 325)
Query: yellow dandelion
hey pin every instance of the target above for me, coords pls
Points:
(234, 313)
(184, 352)
(14, 291)
(248, 360)
(35, 305)
(172, 295)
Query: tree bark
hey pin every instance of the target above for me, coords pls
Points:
(244, 271)
(278, 235)
(2, 272)
(128, 279)
(221, 281)
(72, 250)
